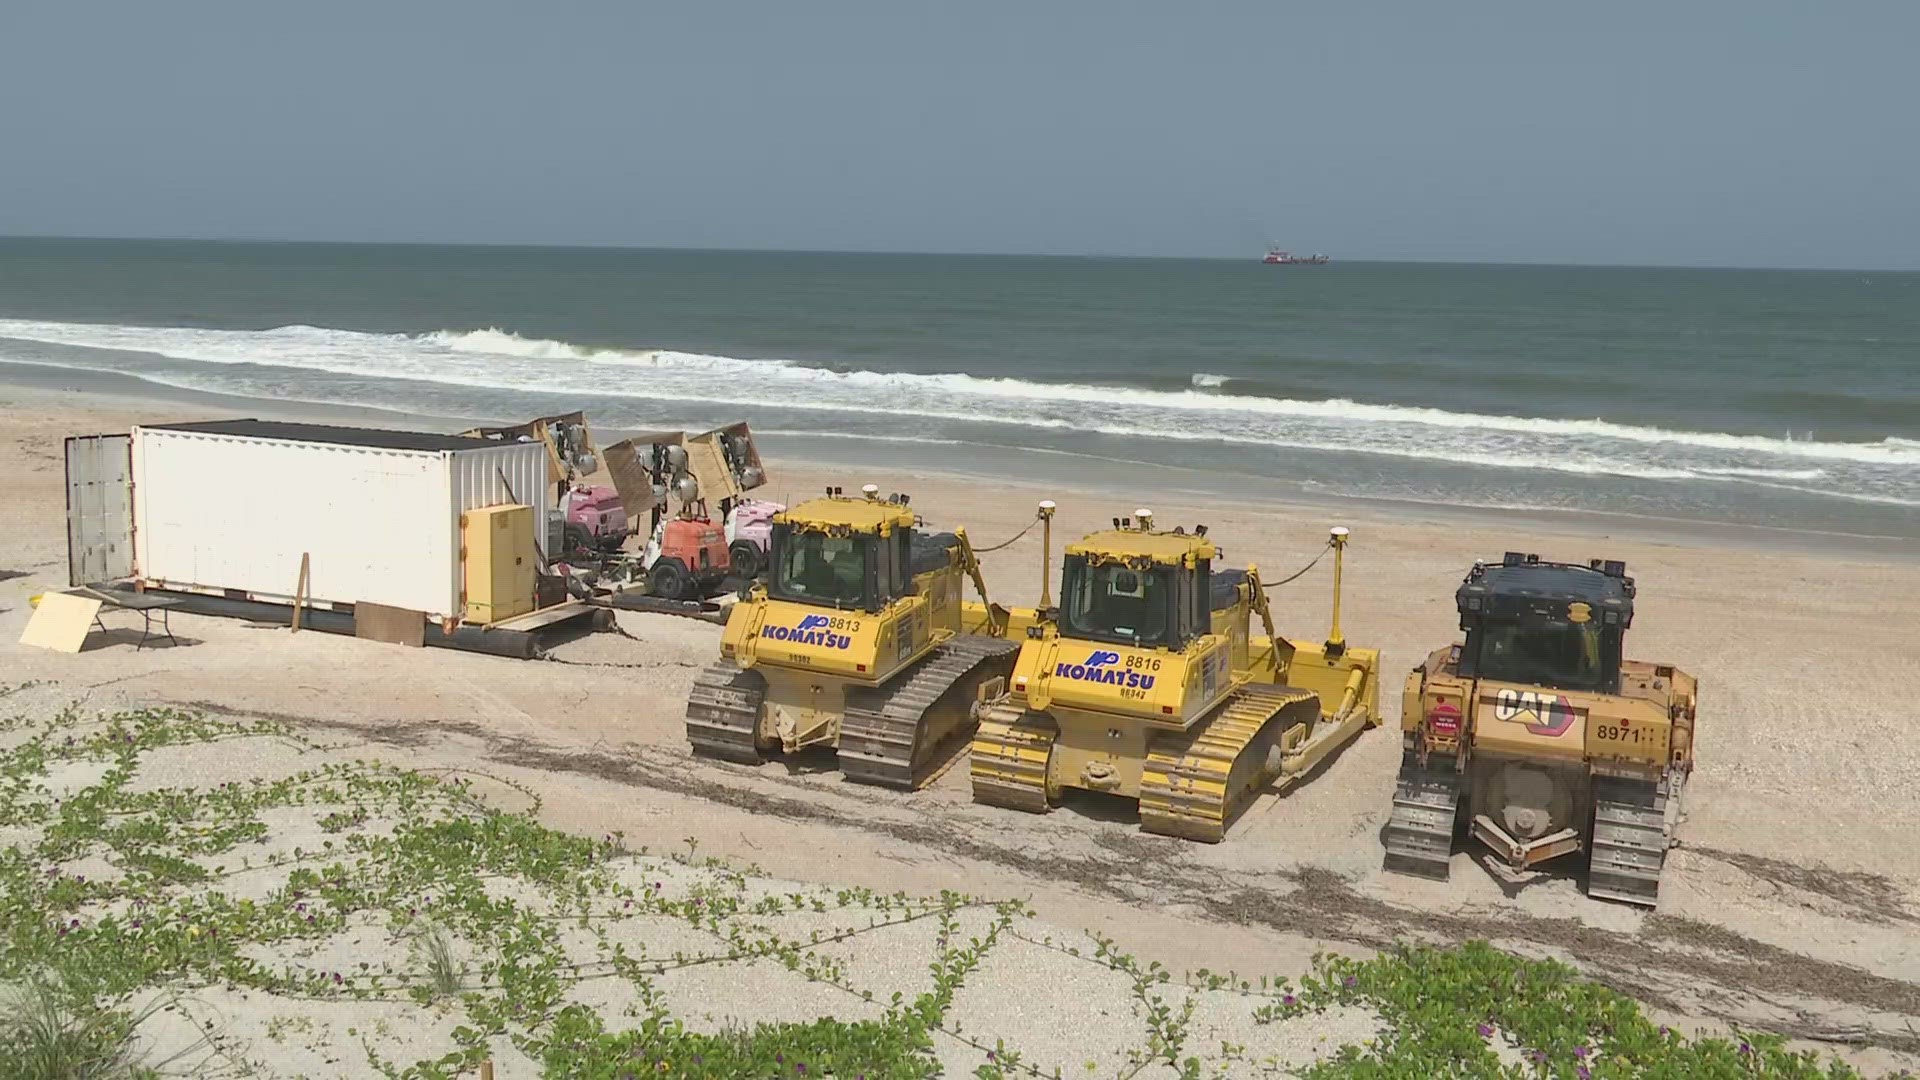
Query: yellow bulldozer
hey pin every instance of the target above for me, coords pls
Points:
(1535, 737)
(854, 640)
(1148, 683)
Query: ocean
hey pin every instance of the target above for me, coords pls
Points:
(1784, 399)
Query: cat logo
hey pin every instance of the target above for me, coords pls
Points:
(1543, 714)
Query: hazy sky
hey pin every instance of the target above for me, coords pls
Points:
(1736, 133)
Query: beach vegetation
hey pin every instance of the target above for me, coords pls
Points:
(136, 885)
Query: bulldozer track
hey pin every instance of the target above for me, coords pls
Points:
(1195, 782)
(901, 734)
(723, 713)
(1419, 838)
(1010, 753)
(1629, 840)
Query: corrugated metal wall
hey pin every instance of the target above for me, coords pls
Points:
(99, 508)
(511, 473)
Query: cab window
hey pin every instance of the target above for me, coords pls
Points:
(1203, 596)
(1117, 603)
(902, 544)
(880, 589)
(1544, 652)
(814, 568)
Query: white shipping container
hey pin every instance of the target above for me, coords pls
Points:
(234, 505)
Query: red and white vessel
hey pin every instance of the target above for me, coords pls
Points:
(1276, 257)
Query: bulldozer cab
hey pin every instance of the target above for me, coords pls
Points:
(1137, 587)
(1122, 600)
(1535, 623)
(848, 554)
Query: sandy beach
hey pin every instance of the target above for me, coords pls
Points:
(1793, 902)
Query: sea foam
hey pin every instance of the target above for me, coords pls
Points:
(1885, 470)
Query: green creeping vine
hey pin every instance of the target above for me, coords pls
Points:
(196, 886)
(197, 889)
(1445, 1011)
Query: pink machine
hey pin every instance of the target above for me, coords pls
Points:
(749, 530)
(595, 521)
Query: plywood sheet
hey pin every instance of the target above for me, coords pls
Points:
(61, 622)
(396, 626)
(627, 463)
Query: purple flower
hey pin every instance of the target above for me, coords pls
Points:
(1485, 1030)
(1581, 1052)
(1664, 1030)
(1584, 1072)
(1746, 1047)
(136, 924)
(336, 978)
(801, 1068)
(991, 1056)
(1351, 980)
(76, 926)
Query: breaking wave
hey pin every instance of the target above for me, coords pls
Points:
(1886, 471)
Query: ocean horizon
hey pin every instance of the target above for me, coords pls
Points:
(1097, 256)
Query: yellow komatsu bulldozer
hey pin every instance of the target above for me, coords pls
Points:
(1148, 683)
(1535, 737)
(853, 640)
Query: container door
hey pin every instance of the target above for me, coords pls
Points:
(99, 508)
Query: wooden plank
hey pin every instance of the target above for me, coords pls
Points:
(61, 622)
(300, 587)
(393, 625)
(533, 620)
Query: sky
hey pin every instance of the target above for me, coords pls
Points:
(1744, 133)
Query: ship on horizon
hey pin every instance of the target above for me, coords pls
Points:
(1277, 257)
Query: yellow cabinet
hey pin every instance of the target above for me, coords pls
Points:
(498, 559)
